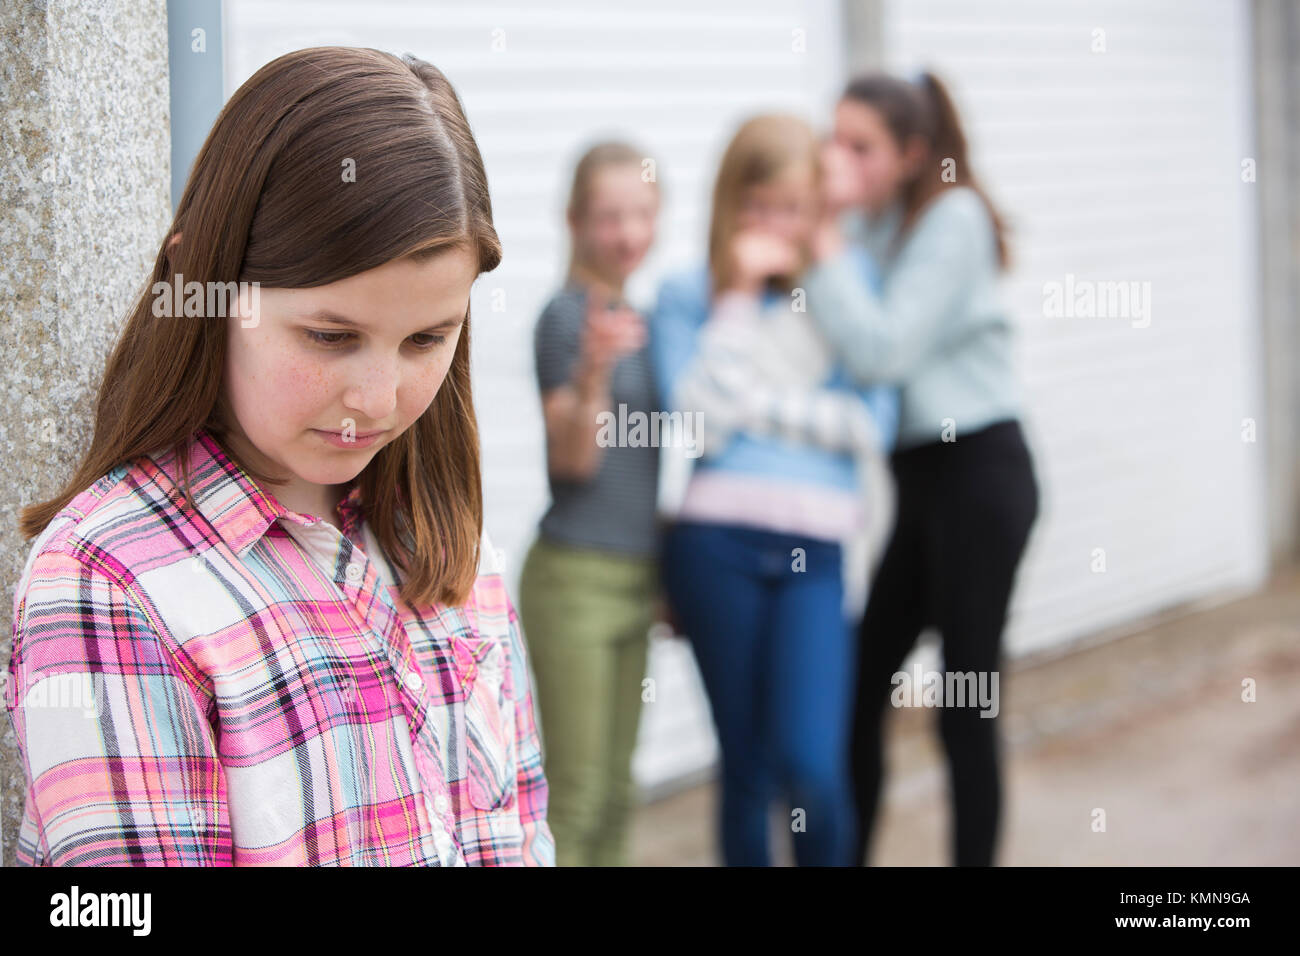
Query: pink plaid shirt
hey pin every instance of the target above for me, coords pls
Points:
(244, 686)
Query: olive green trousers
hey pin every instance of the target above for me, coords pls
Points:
(585, 615)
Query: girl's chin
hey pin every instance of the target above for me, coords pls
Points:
(622, 267)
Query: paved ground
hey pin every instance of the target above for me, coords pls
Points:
(1150, 727)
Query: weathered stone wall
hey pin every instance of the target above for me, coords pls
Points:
(86, 197)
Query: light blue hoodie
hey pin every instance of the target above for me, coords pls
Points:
(938, 329)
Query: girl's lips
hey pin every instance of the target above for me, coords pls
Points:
(360, 440)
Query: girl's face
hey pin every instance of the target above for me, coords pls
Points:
(617, 228)
(785, 206)
(881, 166)
(363, 356)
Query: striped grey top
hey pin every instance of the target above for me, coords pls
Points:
(615, 509)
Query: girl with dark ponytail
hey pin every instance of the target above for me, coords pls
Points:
(897, 171)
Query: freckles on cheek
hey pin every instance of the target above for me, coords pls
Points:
(299, 384)
(435, 373)
(426, 385)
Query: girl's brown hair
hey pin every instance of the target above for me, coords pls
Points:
(925, 109)
(268, 201)
(763, 148)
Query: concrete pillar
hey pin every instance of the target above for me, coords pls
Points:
(1277, 122)
(86, 198)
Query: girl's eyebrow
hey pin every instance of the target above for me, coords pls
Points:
(326, 315)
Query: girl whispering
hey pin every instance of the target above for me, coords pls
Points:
(967, 492)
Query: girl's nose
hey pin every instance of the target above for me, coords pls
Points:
(375, 393)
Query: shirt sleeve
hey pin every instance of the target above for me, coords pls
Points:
(120, 757)
(723, 384)
(883, 337)
(538, 847)
(557, 339)
(675, 321)
(882, 400)
(717, 381)
(833, 419)
(539, 844)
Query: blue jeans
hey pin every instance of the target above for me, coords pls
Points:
(778, 660)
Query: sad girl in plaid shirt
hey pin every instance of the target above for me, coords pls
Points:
(268, 575)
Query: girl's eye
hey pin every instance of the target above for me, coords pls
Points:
(421, 340)
(327, 338)
(429, 340)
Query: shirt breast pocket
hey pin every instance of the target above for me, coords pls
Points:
(490, 752)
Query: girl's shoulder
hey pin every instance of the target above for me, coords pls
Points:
(102, 532)
(955, 219)
(90, 516)
(567, 297)
(959, 207)
(488, 593)
(134, 524)
(690, 280)
(565, 309)
(490, 560)
(685, 290)
(491, 614)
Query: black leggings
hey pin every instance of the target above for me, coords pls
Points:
(964, 511)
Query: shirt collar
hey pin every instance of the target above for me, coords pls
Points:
(234, 504)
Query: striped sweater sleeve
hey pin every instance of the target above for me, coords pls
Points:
(725, 385)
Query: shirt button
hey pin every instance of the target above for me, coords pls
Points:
(413, 681)
(440, 804)
(355, 573)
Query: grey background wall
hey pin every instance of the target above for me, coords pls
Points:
(85, 194)
(196, 43)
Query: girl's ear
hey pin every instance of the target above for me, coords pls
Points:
(171, 247)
